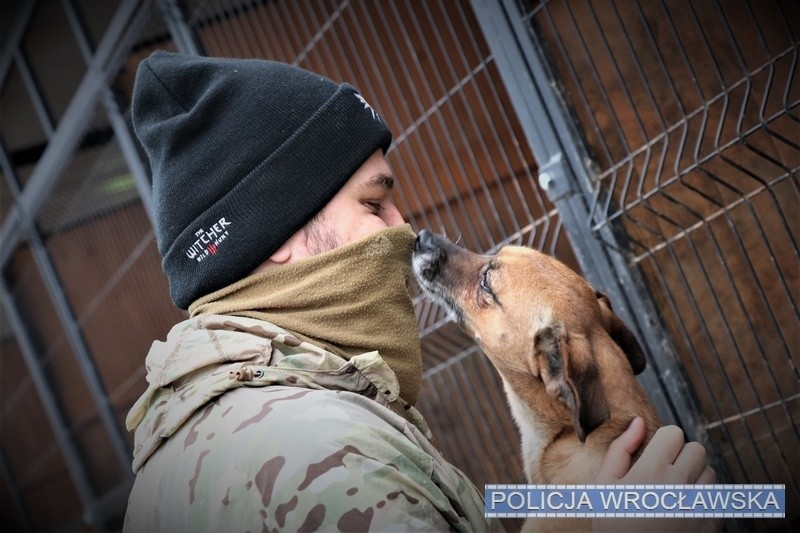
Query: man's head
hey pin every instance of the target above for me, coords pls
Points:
(244, 154)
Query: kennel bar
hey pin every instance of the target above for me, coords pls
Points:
(71, 126)
(14, 38)
(13, 489)
(19, 224)
(35, 92)
(183, 36)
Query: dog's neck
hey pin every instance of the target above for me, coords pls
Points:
(539, 428)
(547, 433)
(535, 432)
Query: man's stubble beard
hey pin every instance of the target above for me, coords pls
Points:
(319, 237)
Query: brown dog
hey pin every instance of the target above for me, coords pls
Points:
(566, 360)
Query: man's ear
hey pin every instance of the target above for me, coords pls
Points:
(620, 334)
(570, 375)
(282, 254)
(279, 257)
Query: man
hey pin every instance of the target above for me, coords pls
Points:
(287, 399)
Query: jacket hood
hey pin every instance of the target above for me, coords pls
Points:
(205, 356)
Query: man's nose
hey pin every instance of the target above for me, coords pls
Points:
(393, 217)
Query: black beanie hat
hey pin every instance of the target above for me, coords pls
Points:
(243, 153)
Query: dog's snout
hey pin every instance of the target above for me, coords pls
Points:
(429, 255)
(425, 242)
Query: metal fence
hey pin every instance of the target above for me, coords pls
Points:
(652, 145)
(684, 118)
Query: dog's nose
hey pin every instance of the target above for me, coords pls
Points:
(424, 242)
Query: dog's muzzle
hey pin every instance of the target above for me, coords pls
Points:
(429, 257)
(433, 264)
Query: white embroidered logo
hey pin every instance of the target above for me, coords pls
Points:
(367, 106)
(208, 240)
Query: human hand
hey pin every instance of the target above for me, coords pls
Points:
(665, 460)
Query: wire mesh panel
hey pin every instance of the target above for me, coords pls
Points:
(34, 435)
(103, 248)
(40, 475)
(96, 15)
(19, 126)
(689, 112)
(53, 57)
(85, 282)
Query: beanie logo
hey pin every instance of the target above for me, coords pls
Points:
(367, 106)
(208, 240)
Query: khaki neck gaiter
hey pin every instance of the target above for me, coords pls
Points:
(350, 300)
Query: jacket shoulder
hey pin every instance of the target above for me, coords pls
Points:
(299, 457)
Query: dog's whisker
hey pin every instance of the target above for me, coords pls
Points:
(459, 238)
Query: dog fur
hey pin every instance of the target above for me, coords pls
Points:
(567, 362)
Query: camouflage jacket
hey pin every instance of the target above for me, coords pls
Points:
(244, 427)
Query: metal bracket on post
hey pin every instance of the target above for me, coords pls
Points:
(553, 178)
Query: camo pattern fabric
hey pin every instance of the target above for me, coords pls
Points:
(244, 427)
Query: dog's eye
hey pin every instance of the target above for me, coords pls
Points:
(485, 281)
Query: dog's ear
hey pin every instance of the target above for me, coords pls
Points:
(570, 375)
(620, 334)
